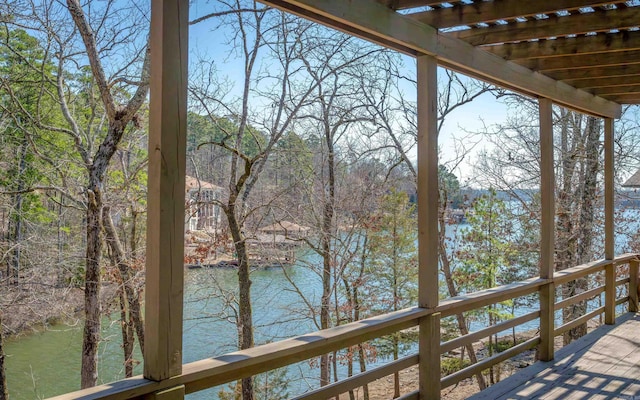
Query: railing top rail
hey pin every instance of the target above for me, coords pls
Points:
(210, 372)
(485, 297)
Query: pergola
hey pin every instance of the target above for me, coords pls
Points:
(583, 55)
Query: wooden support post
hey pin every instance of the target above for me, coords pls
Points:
(166, 190)
(633, 285)
(174, 393)
(610, 294)
(609, 196)
(428, 225)
(547, 231)
(609, 234)
(430, 357)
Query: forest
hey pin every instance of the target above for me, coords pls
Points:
(289, 123)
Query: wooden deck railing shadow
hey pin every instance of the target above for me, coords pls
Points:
(215, 371)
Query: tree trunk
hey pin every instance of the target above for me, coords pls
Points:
(586, 218)
(327, 224)
(18, 217)
(363, 368)
(565, 241)
(119, 259)
(245, 318)
(4, 392)
(126, 325)
(356, 315)
(91, 336)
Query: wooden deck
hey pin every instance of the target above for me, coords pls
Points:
(604, 364)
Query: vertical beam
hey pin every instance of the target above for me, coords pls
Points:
(166, 189)
(428, 225)
(633, 285)
(609, 198)
(547, 230)
(610, 295)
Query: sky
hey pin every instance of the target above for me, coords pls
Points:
(484, 111)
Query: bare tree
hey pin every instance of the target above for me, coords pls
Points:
(249, 131)
(97, 106)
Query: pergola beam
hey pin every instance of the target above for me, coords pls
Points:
(553, 26)
(491, 11)
(375, 22)
(600, 43)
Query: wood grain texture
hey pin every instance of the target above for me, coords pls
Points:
(553, 26)
(568, 46)
(491, 11)
(166, 186)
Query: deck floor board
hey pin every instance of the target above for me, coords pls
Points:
(605, 364)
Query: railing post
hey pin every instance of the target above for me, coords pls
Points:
(429, 368)
(174, 393)
(609, 234)
(429, 365)
(610, 294)
(547, 231)
(633, 285)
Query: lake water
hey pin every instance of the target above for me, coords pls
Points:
(47, 363)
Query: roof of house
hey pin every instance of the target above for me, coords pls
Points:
(192, 183)
(285, 226)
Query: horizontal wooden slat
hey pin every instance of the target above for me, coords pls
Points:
(588, 295)
(359, 380)
(554, 26)
(472, 301)
(625, 258)
(597, 72)
(622, 281)
(475, 336)
(622, 300)
(603, 82)
(582, 61)
(632, 98)
(617, 90)
(488, 362)
(491, 11)
(600, 43)
(578, 321)
(569, 274)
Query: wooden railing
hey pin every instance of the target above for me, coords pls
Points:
(211, 372)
